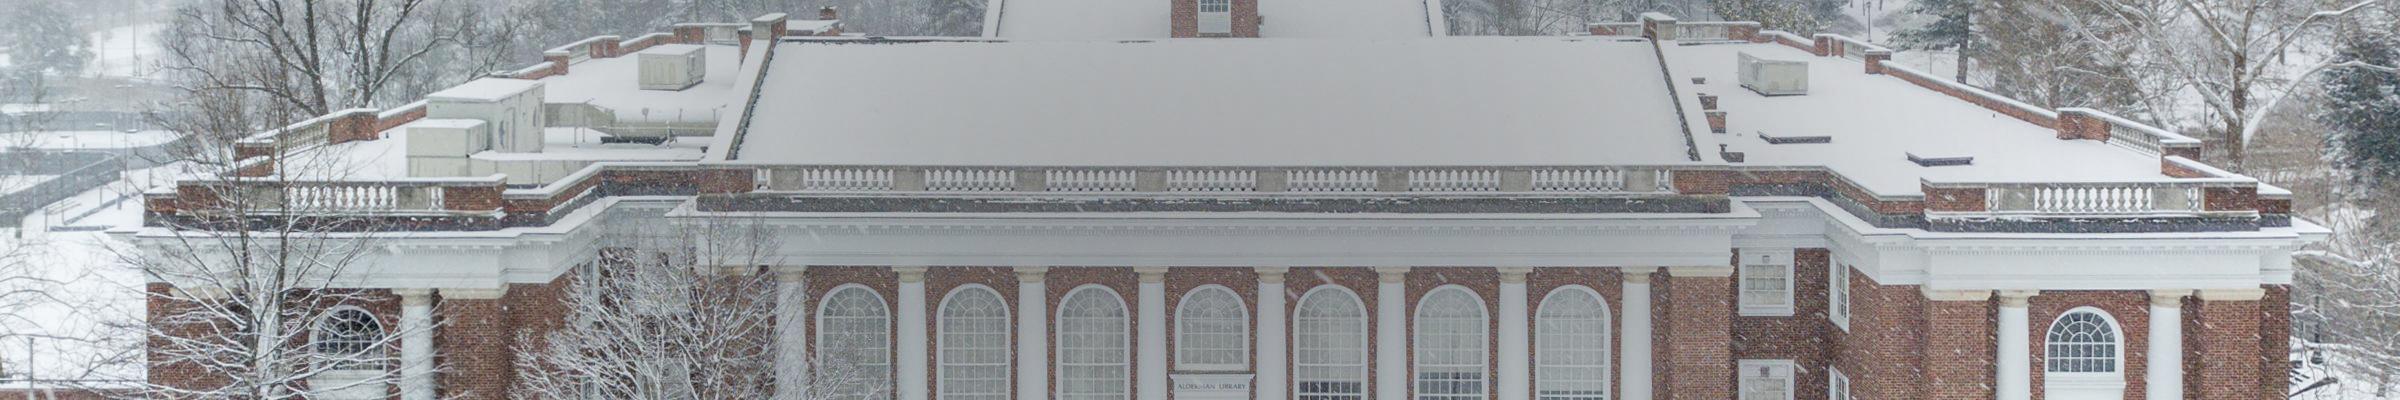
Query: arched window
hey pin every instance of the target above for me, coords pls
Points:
(1451, 345)
(1092, 353)
(1212, 330)
(974, 355)
(349, 337)
(2083, 341)
(1329, 353)
(1571, 346)
(854, 344)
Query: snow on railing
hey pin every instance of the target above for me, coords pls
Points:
(2094, 198)
(1616, 28)
(1569, 179)
(1183, 180)
(2136, 135)
(333, 197)
(1709, 30)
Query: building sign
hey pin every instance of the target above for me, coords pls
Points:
(1212, 386)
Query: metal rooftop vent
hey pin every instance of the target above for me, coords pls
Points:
(1773, 77)
(1940, 161)
(1793, 139)
(672, 67)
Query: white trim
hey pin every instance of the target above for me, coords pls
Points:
(1058, 318)
(1791, 380)
(1240, 306)
(2117, 364)
(1007, 334)
(1837, 385)
(1767, 258)
(383, 336)
(817, 332)
(1366, 317)
(1418, 348)
(1606, 345)
(1838, 298)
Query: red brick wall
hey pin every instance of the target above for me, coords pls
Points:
(1062, 281)
(1993, 103)
(2228, 337)
(475, 348)
(1969, 199)
(1699, 312)
(2274, 345)
(1801, 337)
(1185, 19)
(1609, 282)
(1722, 182)
(1959, 347)
(1884, 346)
(2132, 312)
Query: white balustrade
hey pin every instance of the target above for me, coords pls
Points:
(359, 196)
(1318, 180)
(970, 180)
(846, 179)
(2099, 199)
(1454, 180)
(1578, 180)
(1212, 181)
(1090, 180)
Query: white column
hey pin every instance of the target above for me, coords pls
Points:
(1391, 333)
(2166, 344)
(1635, 377)
(1153, 330)
(1516, 344)
(791, 340)
(911, 371)
(1033, 340)
(2016, 352)
(416, 344)
(1271, 376)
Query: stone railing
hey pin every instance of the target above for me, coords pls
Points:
(2085, 123)
(1563, 179)
(1616, 28)
(2182, 197)
(412, 196)
(1715, 30)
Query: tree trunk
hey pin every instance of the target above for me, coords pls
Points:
(1966, 42)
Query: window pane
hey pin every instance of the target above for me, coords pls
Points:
(1330, 349)
(853, 344)
(1571, 349)
(1212, 330)
(1451, 346)
(974, 346)
(2081, 341)
(1092, 346)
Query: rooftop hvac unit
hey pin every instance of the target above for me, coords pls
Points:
(1774, 77)
(672, 66)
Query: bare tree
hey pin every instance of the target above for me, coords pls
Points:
(323, 56)
(674, 313)
(2229, 55)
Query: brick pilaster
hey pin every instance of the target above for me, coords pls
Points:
(2228, 338)
(1958, 345)
(475, 344)
(1699, 353)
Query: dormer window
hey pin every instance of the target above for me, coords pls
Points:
(1216, 17)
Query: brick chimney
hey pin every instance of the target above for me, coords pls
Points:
(1214, 18)
(828, 13)
(1658, 26)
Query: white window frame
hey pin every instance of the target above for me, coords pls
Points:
(1366, 354)
(885, 381)
(1484, 345)
(1213, 22)
(1754, 261)
(1058, 359)
(369, 353)
(1007, 366)
(1242, 343)
(1605, 346)
(1743, 370)
(1837, 385)
(1837, 294)
(2117, 337)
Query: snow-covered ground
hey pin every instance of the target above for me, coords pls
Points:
(76, 140)
(76, 333)
(130, 51)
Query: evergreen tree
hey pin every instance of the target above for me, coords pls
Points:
(1804, 17)
(1951, 28)
(40, 38)
(2364, 109)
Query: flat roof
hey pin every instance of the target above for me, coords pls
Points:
(1202, 102)
(1876, 120)
(1115, 19)
(615, 83)
(485, 89)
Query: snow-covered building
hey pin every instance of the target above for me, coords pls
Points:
(1078, 207)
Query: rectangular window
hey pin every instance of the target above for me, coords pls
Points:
(1215, 17)
(1766, 282)
(1837, 295)
(1839, 387)
(1766, 379)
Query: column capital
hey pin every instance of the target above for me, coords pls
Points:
(414, 297)
(2017, 298)
(1271, 274)
(1957, 295)
(2169, 298)
(1514, 274)
(910, 274)
(474, 294)
(1710, 271)
(1391, 274)
(1152, 274)
(2248, 294)
(1639, 275)
(1031, 274)
(790, 275)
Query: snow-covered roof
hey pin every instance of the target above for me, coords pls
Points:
(1206, 102)
(1143, 19)
(615, 83)
(1875, 121)
(485, 90)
